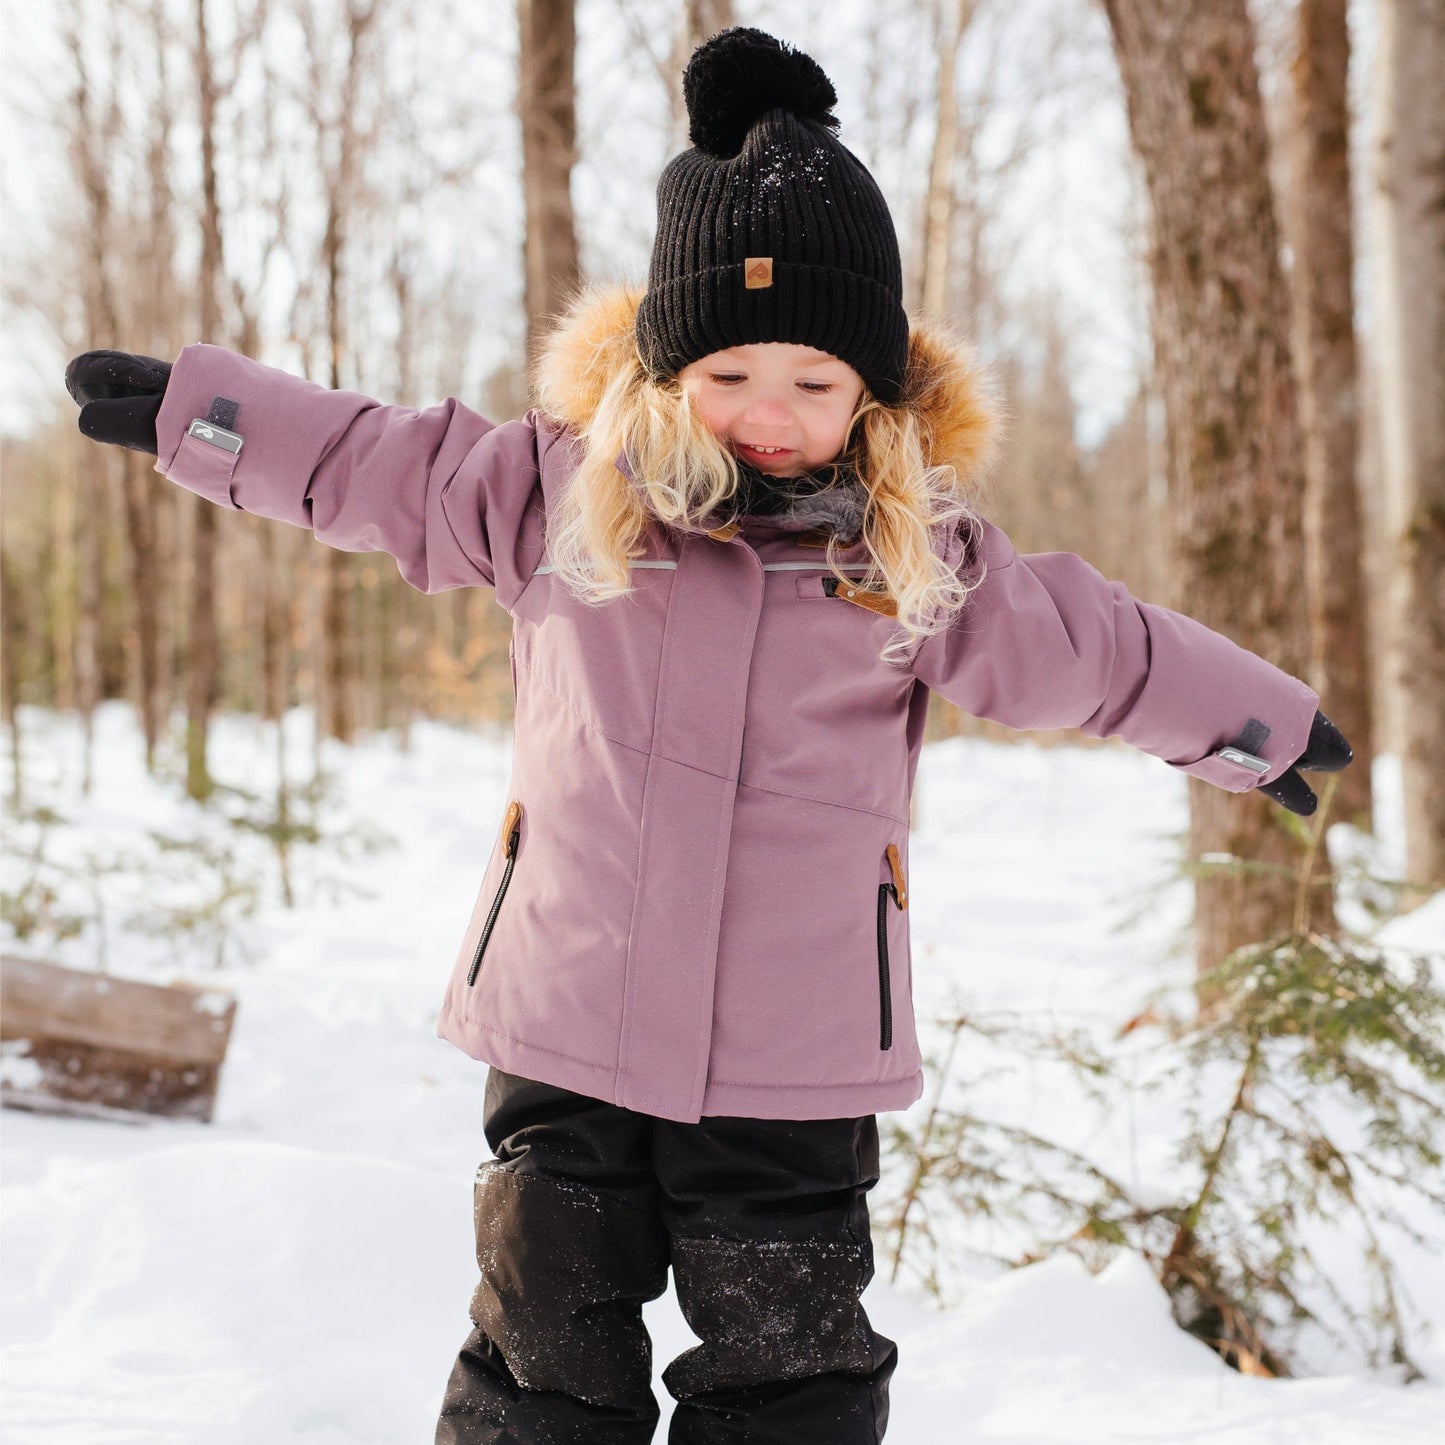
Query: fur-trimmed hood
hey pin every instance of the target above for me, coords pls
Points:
(945, 387)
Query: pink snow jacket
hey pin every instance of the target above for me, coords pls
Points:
(697, 899)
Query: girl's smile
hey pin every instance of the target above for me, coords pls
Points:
(783, 408)
(759, 455)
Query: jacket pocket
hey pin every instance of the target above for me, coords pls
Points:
(821, 587)
(511, 836)
(897, 889)
(873, 599)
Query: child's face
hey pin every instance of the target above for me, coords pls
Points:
(774, 394)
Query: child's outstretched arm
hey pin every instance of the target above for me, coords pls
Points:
(444, 490)
(1048, 642)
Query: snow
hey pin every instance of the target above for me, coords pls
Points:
(299, 1270)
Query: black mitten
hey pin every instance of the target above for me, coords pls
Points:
(1326, 752)
(119, 396)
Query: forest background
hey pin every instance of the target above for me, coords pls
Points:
(1199, 245)
(338, 188)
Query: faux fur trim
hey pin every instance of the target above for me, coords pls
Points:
(944, 386)
(839, 509)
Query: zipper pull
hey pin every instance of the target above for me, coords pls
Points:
(511, 830)
(871, 598)
(899, 886)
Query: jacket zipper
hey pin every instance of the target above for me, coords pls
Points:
(897, 889)
(512, 831)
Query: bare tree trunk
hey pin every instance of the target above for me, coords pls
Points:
(340, 720)
(145, 588)
(940, 202)
(89, 130)
(410, 635)
(90, 559)
(337, 645)
(12, 646)
(166, 321)
(92, 133)
(203, 651)
(1325, 334)
(338, 140)
(277, 624)
(546, 98)
(63, 584)
(700, 20)
(1221, 322)
(1410, 218)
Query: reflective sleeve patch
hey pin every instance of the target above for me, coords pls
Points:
(217, 436)
(1242, 759)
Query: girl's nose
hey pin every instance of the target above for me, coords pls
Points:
(767, 411)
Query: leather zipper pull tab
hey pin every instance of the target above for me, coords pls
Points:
(900, 884)
(511, 829)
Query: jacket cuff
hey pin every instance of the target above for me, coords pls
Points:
(1291, 707)
(196, 444)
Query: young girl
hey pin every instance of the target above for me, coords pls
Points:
(737, 544)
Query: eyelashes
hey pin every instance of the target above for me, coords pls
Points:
(813, 388)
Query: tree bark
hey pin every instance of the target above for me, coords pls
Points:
(145, 592)
(203, 653)
(99, 465)
(1410, 247)
(1325, 352)
(338, 142)
(159, 248)
(940, 202)
(546, 101)
(700, 20)
(12, 650)
(1222, 339)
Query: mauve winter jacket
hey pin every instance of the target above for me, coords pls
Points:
(697, 899)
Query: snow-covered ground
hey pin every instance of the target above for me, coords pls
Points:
(299, 1270)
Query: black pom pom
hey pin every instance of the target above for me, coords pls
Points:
(741, 74)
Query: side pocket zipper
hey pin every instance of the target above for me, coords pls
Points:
(511, 832)
(897, 889)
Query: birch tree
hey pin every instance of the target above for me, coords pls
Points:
(940, 201)
(1410, 247)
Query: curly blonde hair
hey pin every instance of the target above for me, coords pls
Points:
(682, 473)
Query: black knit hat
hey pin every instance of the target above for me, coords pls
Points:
(768, 229)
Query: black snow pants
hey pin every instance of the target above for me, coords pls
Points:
(578, 1216)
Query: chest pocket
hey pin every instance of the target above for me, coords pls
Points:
(828, 588)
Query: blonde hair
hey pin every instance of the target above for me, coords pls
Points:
(682, 473)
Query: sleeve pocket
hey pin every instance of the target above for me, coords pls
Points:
(204, 469)
(1232, 777)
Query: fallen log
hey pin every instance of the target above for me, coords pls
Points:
(98, 1046)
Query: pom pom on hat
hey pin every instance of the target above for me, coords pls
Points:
(768, 227)
(738, 76)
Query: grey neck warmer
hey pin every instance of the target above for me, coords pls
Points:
(833, 497)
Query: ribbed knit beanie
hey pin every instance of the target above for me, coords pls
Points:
(768, 229)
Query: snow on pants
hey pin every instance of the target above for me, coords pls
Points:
(578, 1216)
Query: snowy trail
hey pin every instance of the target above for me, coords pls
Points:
(299, 1270)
